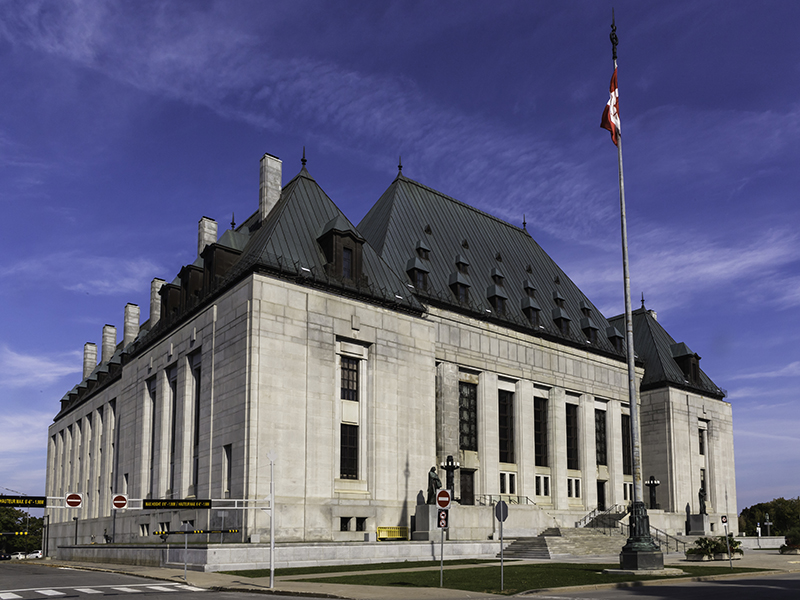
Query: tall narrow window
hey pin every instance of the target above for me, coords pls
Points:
(349, 452)
(349, 378)
(172, 378)
(196, 373)
(227, 469)
(627, 453)
(347, 263)
(600, 436)
(540, 431)
(702, 440)
(152, 396)
(572, 436)
(505, 410)
(468, 416)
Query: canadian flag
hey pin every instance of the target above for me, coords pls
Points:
(611, 112)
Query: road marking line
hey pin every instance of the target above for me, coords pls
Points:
(160, 588)
(8, 596)
(126, 589)
(88, 591)
(49, 593)
(189, 588)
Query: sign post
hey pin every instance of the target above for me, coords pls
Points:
(501, 512)
(727, 540)
(443, 504)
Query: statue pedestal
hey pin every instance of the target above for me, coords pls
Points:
(426, 523)
(698, 525)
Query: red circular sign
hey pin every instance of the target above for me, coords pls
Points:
(74, 500)
(120, 501)
(443, 499)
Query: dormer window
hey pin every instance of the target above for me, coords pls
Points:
(561, 319)
(459, 285)
(558, 299)
(417, 271)
(342, 248)
(586, 308)
(423, 251)
(688, 361)
(497, 276)
(615, 337)
(530, 290)
(589, 329)
(462, 265)
(498, 304)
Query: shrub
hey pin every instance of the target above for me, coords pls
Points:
(793, 537)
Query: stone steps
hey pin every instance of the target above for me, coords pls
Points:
(565, 542)
(529, 547)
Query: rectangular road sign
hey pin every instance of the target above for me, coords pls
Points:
(167, 504)
(24, 501)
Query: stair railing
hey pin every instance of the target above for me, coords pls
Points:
(662, 539)
(597, 516)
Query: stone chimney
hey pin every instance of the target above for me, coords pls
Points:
(155, 301)
(653, 314)
(89, 358)
(269, 184)
(206, 234)
(109, 342)
(131, 328)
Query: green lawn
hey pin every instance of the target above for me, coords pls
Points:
(346, 568)
(517, 578)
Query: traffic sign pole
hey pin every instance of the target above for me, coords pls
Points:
(727, 540)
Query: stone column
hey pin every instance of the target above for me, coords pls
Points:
(587, 448)
(614, 441)
(557, 427)
(488, 430)
(523, 429)
(447, 418)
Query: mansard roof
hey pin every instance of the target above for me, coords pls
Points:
(455, 232)
(659, 350)
(286, 243)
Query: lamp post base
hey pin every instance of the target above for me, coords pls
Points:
(640, 552)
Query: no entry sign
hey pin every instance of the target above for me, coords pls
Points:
(443, 499)
(119, 501)
(74, 500)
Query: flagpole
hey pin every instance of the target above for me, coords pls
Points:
(640, 551)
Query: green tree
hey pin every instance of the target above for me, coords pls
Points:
(14, 520)
(783, 514)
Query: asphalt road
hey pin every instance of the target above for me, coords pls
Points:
(785, 586)
(27, 580)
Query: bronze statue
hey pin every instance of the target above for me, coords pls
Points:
(434, 483)
(702, 496)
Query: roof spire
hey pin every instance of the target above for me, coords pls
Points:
(524, 223)
(303, 160)
(233, 220)
(400, 166)
(642, 299)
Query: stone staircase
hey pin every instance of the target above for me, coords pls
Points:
(555, 542)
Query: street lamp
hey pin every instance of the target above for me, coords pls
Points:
(652, 483)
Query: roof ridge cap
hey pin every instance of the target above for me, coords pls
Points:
(464, 204)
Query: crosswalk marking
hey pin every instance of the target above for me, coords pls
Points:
(130, 589)
(160, 588)
(189, 588)
(50, 593)
(126, 589)
(8, 596)
(88, 591)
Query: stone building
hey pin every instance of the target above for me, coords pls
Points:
(358, 357)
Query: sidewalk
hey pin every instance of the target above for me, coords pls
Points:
(289, 584)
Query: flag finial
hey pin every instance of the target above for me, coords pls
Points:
(613, 37)
(233, 220)
(400, 166)
(303, 160)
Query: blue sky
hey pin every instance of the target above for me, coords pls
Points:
(123, 123)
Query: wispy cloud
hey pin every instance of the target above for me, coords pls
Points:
(790, 370)
(21, 370)
(78, 272)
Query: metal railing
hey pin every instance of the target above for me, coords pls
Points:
(663, 540)
(595, 518)
(492, 499)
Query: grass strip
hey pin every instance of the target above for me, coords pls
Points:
(366, 567)
(517, 578)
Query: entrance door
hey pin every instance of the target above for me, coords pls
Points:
(467, 487)
(601, 495)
